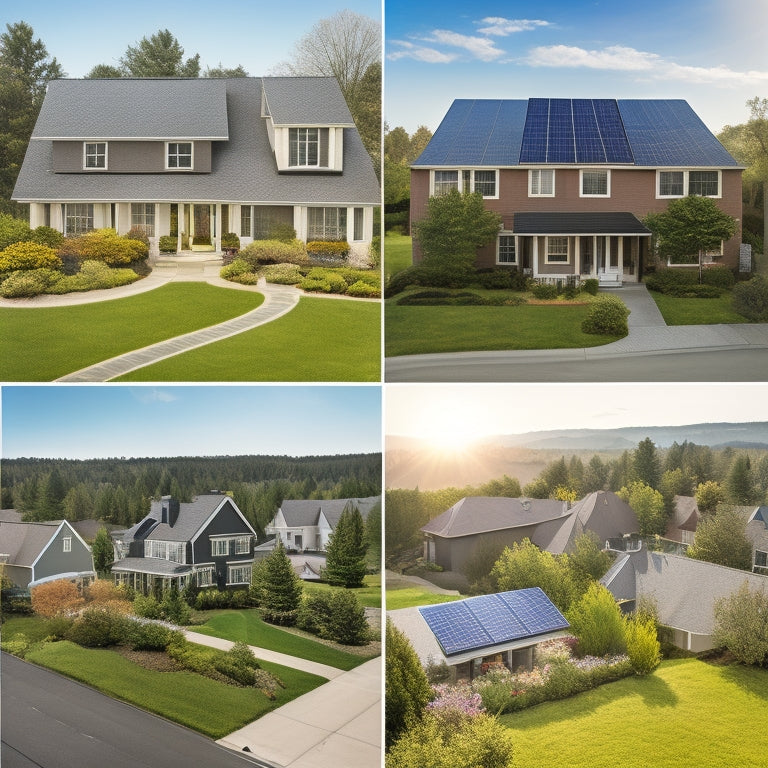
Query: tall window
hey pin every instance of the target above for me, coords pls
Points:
(239, 574)
(557, 250)
(326, 223)
(67, 542)
(507, 253)
(78, 218)
(485, 183)
(219, 547)
(704, 183)
(445, 181)
(358, 226)
(671, 183)
(595, 183)
(304, 147)
(541, 182)
(204, 576)
(143, 215)
(180, 154)
(245, 220)
(96, 155)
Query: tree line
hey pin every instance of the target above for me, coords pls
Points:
(119, 491)
(647, 477)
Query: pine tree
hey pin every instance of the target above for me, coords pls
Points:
(646, 464)
(103, 553)
(347, 547)
(280, 588)
(740, 484)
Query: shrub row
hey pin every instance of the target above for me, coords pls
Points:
(676, 282)
(261, 252)
(440, 297)
(750, 299)
(92, 275)
(14, 230)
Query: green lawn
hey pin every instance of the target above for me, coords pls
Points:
(687, 715)
(369, 594)
(45, 343)
(247, 626)
(411, 596)
(397, 254)
(319, 340)
(697, 311)
(419, 330)
(206, 705)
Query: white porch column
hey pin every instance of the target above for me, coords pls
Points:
(57, 217)
(217, 233)
(577, 255)
(36, 215)
(593, 268)
(535, 256)
(621, 254)
(300, 222)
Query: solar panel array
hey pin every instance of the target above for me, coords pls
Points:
(487, 620)
(584, 131)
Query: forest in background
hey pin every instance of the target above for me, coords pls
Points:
(119, 490)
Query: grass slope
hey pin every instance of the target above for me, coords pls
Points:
(369, 594)
(247, 626)
(420, 330)
(397, 254)
(45, 343)
(686, 715)
(207, 706)
(319, 340)
(412, 596)
(697, 311)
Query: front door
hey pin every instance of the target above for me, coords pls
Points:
(202, 224)
(298, 541)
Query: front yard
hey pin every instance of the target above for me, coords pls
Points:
(677, 311)
(686, 715)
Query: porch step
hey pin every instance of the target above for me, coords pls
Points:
(610, 281)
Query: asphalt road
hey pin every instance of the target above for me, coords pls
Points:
(49, 721)
(709, 365)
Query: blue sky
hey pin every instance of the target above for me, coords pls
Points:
(711, 53)
(257, 35)
(80, 422)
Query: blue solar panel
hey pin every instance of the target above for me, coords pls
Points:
(669, 133)
(480, 622)
(589, 143)
(507, 134)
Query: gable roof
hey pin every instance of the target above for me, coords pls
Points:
(24, 543)
(300, 513)
(128, 108)
(629, 132)
(306, 101)
(482, 514)
(243, 168)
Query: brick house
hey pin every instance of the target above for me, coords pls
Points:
(573, 178)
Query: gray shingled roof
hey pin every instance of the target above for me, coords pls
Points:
(152, 565)
(23, 542)
(127, 108)
(600, 223)
(481, 514)
(306, 101)
(243, 169)
(304, 512)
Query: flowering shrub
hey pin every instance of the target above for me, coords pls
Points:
(283, 274)
(559, 649)
(28, 256)
(456, 697)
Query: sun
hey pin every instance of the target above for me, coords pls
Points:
(447, 428)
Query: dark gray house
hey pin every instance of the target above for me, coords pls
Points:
(33, 553)
(207, 542)
(196, 158)
(451, 538)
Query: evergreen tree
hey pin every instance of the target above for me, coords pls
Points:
(103, 553)
(346, 550)
(646, 464)
(280, 588)
(407, 690)
(373, 537)
(740, 483)
(595, 475)
(52, 493)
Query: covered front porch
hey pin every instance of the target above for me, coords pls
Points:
(609, 247)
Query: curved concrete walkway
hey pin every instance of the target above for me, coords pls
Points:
(648, 335)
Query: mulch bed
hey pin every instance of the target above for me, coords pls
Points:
(158, 661)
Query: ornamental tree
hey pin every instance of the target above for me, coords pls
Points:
(689, 227)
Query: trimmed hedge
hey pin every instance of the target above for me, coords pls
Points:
(28, 255)
(364, 290)
(590, 286)
(338, 249)
(607, 315)
(750, 299)
(261, 252)
(167, 243)
(544, 291)
(93, 275)
(283, 274)
(28, 283)
(107, 246)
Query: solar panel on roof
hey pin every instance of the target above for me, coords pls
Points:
(487, 620)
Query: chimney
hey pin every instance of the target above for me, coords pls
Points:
(169, 510)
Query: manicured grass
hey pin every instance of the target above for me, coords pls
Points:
(45, 343)
(247, 626)
(419, 330)
(369, 594)
(686, 715)
(319, 340)
(32, 626)
(411, 596)
(397, 254)
(697, 311)
(207, 706)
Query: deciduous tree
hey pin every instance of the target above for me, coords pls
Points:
(709, 495)
(741, 625)
(55, 597)
(648, 504)
(721, 538)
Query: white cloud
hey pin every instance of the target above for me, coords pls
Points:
(623, 58)
(502, 27)
(480, 47)
(419, 53)
(153, 395)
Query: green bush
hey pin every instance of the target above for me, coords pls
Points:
(597, 622)
(148, 637)
(443, 298)
(285, 233)
(230, 240)
(315, 285)
(167, 243)
(107, 246)
(722, 277)
(314, 612)
(750, 299)
(27, 283)
(240, 674)
(283, 274)
(607, 314)
(57, 627)
(147, 606)
(95, 628)
(406, 278)
(334, 249)
(544, 291)
(93, 275)
(211, 599)
(174, 608)
(139, 234)
(590, 286)
(352, 276)
(17, 645)
(374, 252)
(667, 279)
(643, 646)
(346, 622)
(13, 230)
(47, 236)
(261, 252)
(501, 278)
(28, 255)
(241, 654)
(695, 291)
(336, 281)
(235, 269)
(363, 290)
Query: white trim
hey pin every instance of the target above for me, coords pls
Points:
(53, 537)
(459, 171)
(213, 514)
(686, 182)
(567, 239)
(89, 168)
(531, 171)
(506, 233)
(191, 156)
(582, 171)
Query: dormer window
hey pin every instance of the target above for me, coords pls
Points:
(95, 154)
(304, 145)
(179, 154)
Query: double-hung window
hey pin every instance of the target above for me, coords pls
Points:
(467, 180)
(245, 220)
(78, 218)
(506, 250)
(204, 576)
(96, 154)
(683, 183)
(242, 545)
(557, 250)
(239, 574)
(595, 183)
(704, 183)
(445, 181)
(143, 215)
(326, 223)
(304, 147)
(67, 543)
(179, 154)
(485, 183)
(541, 182)
(219, 547)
